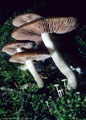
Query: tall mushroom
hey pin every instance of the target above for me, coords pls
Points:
(44, 27)
(27, 59)
(14, 47)
(25, 18)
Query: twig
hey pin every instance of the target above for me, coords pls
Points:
(9, 90)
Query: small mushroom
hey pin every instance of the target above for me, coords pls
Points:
(14, 47)
(25, 18)
(44, 27)
(27, 59)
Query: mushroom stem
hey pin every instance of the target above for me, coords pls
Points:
(23, 67)
(59, 61)
(19, 49)
(33, 71)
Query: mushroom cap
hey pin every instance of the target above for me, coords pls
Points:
(59, 25)
(23, 34)
(11, 48)
(30, 54)
(24, 18)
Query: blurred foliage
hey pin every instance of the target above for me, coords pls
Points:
(21, 98)
(81, 41)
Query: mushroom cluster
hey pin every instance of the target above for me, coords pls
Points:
(32, 28)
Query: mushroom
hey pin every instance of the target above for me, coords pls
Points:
(14, 47)
(22, 19)
(26, 18)
(27, 35)
(27, 59)
(44, 27)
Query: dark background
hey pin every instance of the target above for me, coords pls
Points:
(43, 7)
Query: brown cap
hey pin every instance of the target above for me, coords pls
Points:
(58, 25)
(30, 54)
(24, 34)
(22, 19)
(11, 48)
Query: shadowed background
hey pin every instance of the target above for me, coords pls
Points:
(43, 7)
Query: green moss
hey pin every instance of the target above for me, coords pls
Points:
(81, 41)
(69, 107)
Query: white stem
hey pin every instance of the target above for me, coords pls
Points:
(23, 67)
(59, 61)
(28, 21)
(19, 49)
(33, 71)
